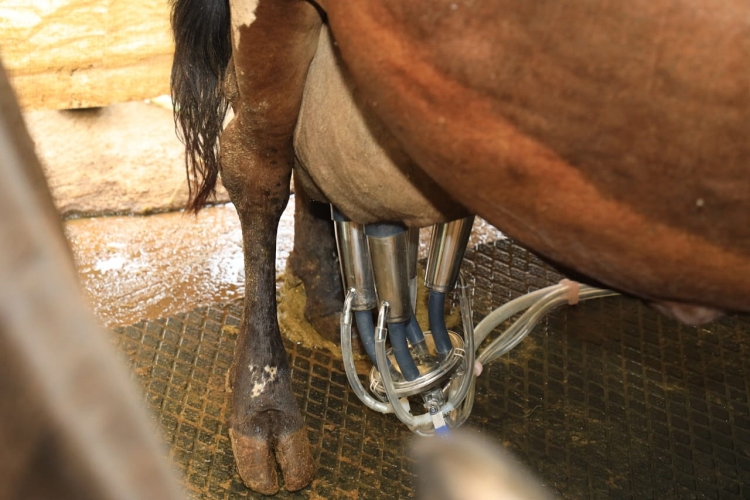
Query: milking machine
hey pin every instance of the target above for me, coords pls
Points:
(434, 369)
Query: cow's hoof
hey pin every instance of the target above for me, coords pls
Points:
(257, 465)
(295, 459)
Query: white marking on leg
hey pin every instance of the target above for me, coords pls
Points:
(258, 388)
(262, 379)
(271, 371)
(243, 15)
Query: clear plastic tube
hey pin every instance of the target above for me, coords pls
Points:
(380, 354)
(468, 404)
(526, 323)
(508, 310)
(417, 423)
(520, 328)
(537, 305)
(468, 323)
(348, 359)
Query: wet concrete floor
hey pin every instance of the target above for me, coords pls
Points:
(135, 268)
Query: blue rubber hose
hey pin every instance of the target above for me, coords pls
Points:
(366, 329)
(413, 331)
(397, 334)
(436, 315)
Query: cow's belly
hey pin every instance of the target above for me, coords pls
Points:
(347, 157)
(607, 136)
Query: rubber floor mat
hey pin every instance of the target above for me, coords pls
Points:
(607, 399)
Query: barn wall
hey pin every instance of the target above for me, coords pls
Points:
(85, 53)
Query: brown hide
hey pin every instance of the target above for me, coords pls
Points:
(611, 137)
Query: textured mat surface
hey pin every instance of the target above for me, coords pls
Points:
(605, 399)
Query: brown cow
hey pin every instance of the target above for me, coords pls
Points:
(610, 137)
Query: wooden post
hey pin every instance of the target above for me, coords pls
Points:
(71, 423)
(85, 53)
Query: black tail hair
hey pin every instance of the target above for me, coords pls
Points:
(203, 48)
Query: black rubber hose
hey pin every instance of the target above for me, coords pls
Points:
(436, 315)
(397, 334)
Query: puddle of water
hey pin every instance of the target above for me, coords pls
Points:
(132, 268)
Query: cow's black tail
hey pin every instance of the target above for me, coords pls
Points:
(202, 51)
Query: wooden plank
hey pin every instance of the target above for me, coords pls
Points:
(85, 53)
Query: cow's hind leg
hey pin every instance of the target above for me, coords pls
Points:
(313, 261)
(271, 54)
